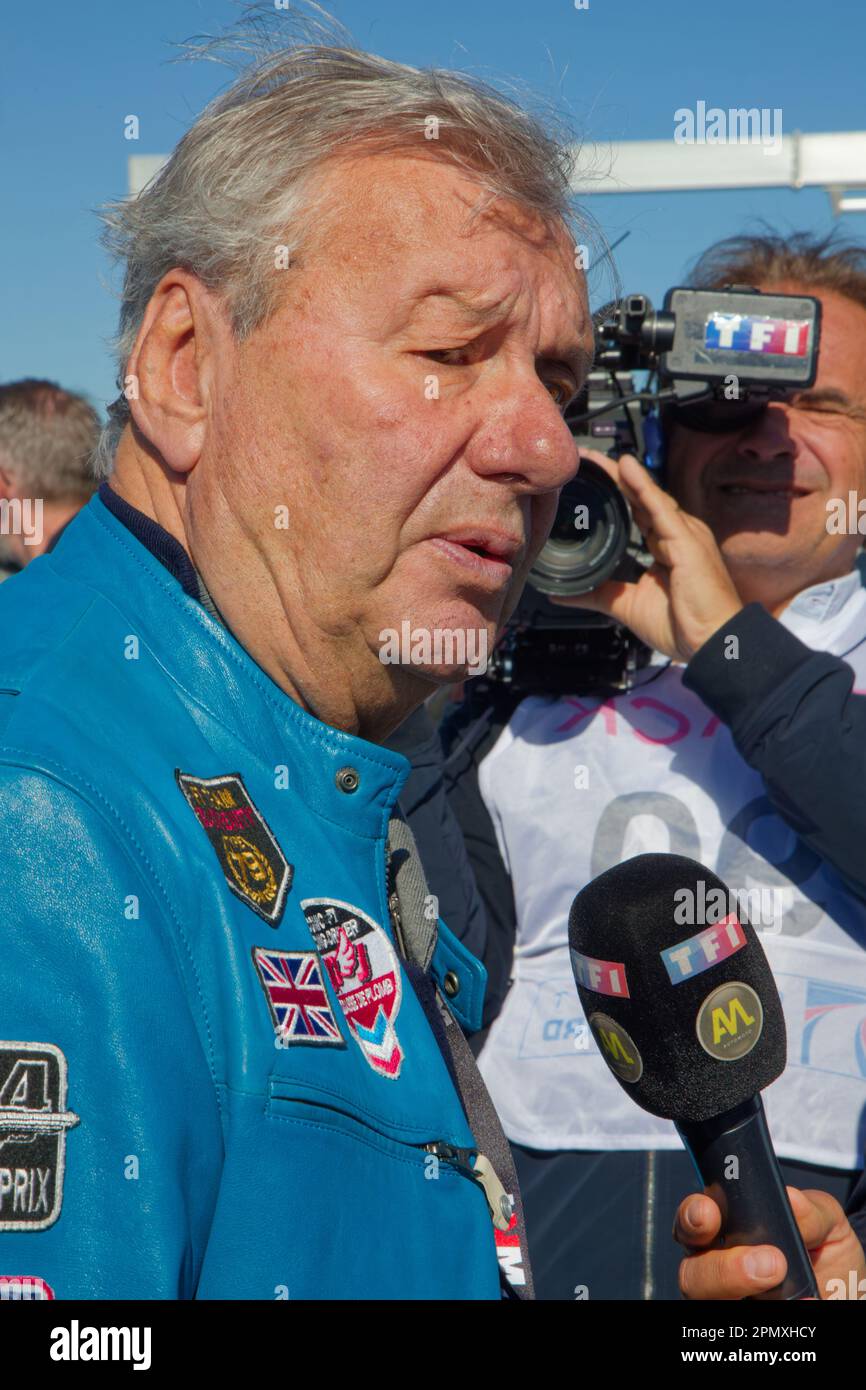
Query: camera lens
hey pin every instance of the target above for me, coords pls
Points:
(589, 535)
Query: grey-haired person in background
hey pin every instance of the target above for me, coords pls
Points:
(47, 439)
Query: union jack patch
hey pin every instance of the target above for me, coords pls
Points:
(297, 998)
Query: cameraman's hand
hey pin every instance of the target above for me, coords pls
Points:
(687, 594)
(711, 1273)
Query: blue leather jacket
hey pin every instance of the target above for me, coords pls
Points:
(217, 1079)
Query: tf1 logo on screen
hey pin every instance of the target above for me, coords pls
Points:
(756, 333)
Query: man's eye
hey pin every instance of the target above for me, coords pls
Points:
(440, 353)
(561, 392)
(819, 407)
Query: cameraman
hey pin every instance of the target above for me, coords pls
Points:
(745, 751)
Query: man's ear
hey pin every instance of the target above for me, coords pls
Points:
(170, 370)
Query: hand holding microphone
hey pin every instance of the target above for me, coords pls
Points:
(690, 1023)
(708, 1272)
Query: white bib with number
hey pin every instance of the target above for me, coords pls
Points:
(575, 786)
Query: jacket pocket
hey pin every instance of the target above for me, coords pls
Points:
(320, 1203)
(308, 1107)
(397, 1219)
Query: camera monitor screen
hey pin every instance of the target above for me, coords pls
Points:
(762, 339)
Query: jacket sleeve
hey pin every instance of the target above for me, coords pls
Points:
(795, 720)
(110, 1136)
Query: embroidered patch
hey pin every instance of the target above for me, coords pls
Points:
(254, 866)
(365, 973)
(24, 1288)
(297, 998)
(33, 1125)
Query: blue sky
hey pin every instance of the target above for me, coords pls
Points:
(71, 72)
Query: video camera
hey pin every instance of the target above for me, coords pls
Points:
(714, 359)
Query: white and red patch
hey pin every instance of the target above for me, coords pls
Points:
(364, 971)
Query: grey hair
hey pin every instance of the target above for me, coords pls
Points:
(238, 183)
(47, 439)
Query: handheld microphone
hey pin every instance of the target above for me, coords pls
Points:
(689, 1021)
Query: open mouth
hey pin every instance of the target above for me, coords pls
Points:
(477, 550)
(475, 557)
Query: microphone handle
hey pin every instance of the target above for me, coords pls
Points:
(750, 1191)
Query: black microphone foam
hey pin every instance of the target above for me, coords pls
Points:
(685, 1011)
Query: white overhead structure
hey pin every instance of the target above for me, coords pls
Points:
(836, 162)
(141, 169)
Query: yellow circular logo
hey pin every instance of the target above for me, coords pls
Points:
(250, 869)
(617, 1048)
(730, 1021)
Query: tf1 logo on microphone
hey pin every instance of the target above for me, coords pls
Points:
(709, 947)
(603, 976)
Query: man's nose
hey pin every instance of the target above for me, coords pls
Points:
(524, 435)
(768, 439)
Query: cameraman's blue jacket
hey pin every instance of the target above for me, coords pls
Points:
(217, 1079)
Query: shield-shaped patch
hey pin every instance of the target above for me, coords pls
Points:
(252, 862)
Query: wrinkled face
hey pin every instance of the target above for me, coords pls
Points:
(404, 406)
(764, 490)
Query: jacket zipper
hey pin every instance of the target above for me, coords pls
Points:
(454, 1157)
(459, 1159)
(499, 1203)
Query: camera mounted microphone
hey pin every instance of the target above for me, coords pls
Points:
(689, 1021)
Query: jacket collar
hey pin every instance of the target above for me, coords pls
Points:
(821, 602)
(204, 660)
(160, 543)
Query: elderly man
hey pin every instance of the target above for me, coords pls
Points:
(231, 1066)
